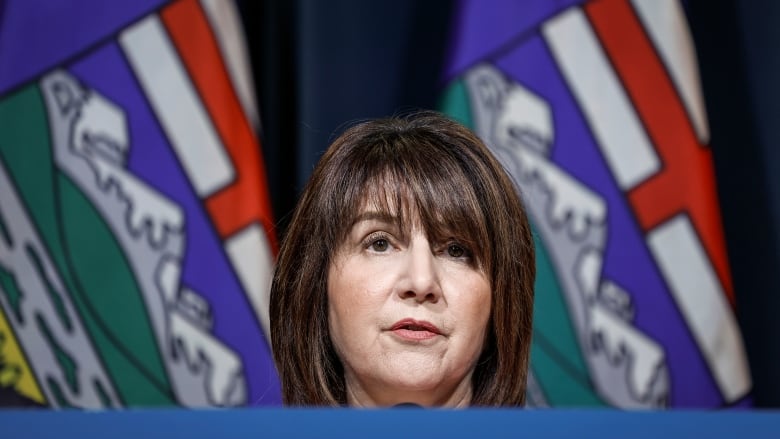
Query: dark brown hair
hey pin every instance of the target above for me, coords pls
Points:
(430, 165)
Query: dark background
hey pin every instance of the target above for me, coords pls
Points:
(319, 65)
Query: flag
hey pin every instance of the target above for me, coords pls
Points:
(595, 110)
(136, 235)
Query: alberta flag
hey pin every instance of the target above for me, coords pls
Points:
(594, 108)
(136, 235)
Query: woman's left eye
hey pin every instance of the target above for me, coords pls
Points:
(456, 251)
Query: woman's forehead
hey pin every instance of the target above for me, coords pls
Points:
(399, 209)
(433, 205)
(406, 214)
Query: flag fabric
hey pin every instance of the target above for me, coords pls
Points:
(594, 108)
(136, 239)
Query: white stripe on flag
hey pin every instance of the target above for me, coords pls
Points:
(608, 110)
(699, 295)
(229, 32)
(665, 23)
(250, 254)
(177, 106)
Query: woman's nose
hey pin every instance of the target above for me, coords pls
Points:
(420, 278)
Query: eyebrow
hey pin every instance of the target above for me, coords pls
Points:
(376, 216)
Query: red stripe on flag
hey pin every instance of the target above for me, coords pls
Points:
(246, 200)
(686, 182)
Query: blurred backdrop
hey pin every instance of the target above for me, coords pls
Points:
(319, 66)
(619, 329)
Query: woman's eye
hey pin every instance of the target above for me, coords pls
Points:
(379, 245)
(456, 251)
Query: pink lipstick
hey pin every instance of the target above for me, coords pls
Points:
(411, 329)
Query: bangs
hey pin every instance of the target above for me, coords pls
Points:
(422, 186)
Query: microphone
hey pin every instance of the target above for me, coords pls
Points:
(407, 405)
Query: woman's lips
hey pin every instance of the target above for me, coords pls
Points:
(411, 329)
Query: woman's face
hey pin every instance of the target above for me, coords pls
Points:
(408, 317)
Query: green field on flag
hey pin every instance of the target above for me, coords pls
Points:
(86, 254)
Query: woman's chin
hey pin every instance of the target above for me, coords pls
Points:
(426, 390)
(412, 379)
(427, 397)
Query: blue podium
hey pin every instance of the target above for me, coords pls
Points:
(399, 423)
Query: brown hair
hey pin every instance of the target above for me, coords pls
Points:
(431, 165)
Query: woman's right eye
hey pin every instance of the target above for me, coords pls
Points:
(380, 245)
(377, 242)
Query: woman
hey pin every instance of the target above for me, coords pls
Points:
(406, 275)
